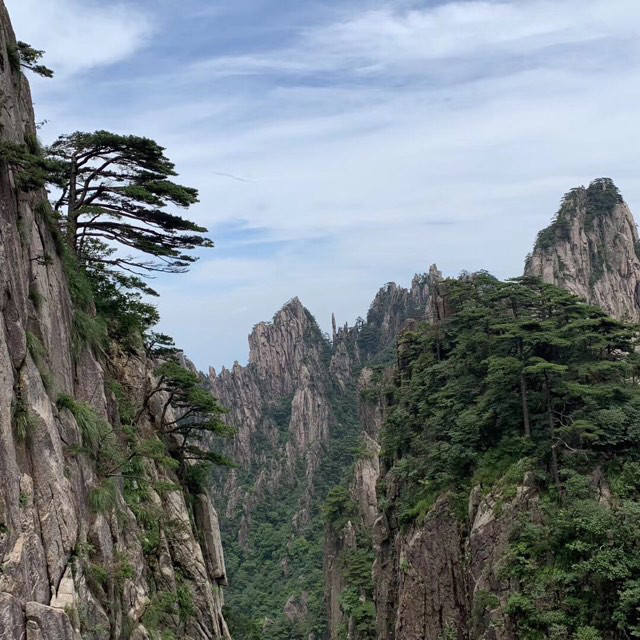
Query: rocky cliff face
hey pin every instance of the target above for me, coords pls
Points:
(442, 577)
(80, 555)
(279, 405)
(295, 409)
(591, 249)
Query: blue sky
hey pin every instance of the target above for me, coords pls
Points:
(341, 145)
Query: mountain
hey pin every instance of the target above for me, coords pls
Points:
(461, 464)
(591, 249)
(331, 448)
(445, 559)
(295, 409)
(99, 535)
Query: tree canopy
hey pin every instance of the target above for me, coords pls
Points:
(519, 359)
(525, 378)
(24, 56)
(115, 189)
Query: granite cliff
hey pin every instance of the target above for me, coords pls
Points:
(84, 553)
(591, 249)
(295, 409)
(442, 575)
(439, 575)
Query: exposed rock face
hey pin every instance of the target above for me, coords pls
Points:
(442, 576)
(591, 249)
(292, 372)
(67, 572)
(296, 607)
(420, 577)
(299, 394)
(284, 388)
(366, 473)
(337, 548)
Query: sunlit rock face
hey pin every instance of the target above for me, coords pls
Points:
(297, 411)
(591, 249)
(66, 571)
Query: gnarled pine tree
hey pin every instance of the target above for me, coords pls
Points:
(24, 56)
(115, 189)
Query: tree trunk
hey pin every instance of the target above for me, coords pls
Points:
(555, 468)
(525, 405)
(523, 393)
(72, 217)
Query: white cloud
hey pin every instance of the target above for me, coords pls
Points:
(404, 39)
(376, 145)
(459, 29)
(78, 35)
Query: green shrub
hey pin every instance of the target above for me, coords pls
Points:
(24, 421)
(126, 410)
(13, 57)
(104, 497)
(39, 355)
(339, 507)
(88, 331)
(91, 425)
(36, 297)
(36, 349)
(184, 600)
(97, 573)
(159, 611)
(197, 478)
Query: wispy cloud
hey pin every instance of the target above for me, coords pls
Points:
(370, 139)
(81, 34)
(401, 39)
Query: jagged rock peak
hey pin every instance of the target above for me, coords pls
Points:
(591, 249)
(292, 315)
(278, 349)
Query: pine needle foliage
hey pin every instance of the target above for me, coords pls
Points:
(104, 497)
(115, 189)
(24, 56)
(523, 377)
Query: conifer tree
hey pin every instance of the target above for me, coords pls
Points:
(196, 415)
(115, 189)
(25, 56)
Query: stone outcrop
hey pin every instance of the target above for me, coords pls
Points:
(340, 545)
(420, 577)
(293, 375)
(441, 577)
(284, 388)
(337, 548)
(591, 249)
(297, 395)
(67, 570)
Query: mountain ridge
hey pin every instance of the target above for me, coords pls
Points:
(362, 359)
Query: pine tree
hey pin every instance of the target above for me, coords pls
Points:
(24, 56)
(115, 189)
(197, 415)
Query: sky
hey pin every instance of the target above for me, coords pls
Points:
(340, 145)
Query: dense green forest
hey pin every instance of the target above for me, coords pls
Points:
(279, 558)
(524, 378)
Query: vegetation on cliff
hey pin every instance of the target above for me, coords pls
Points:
(526, 378)
(598, 199)
(108, 418)
(282, 555)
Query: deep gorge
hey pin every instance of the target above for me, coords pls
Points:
(462, 463)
